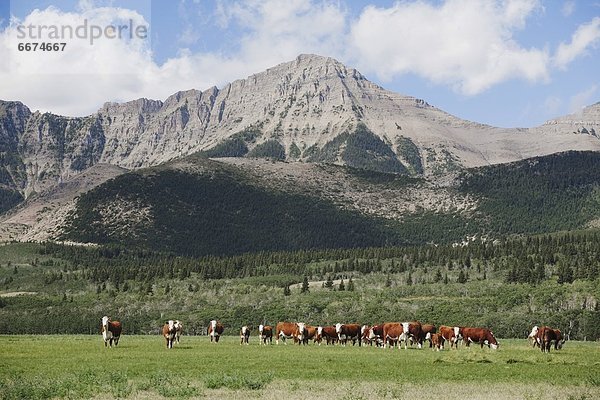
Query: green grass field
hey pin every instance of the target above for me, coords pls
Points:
(141, 367)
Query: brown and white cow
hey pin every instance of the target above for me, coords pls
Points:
(215, 330)
(347, 332)
(265, 332)
(178, 330)
(290, 330)
(244, 334)
(451, 334)
(426, 331)
(411, 331)
(392, 331)
(545, 337)
(111, 331)
(376, 335)
(479, 335)
(437, 341)
(169, 332)
(328, 333)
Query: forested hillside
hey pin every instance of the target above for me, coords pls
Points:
(506, 285)
(200, 207)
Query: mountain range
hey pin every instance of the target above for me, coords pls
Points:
(309, 115)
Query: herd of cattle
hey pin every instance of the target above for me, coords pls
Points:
(391, 334)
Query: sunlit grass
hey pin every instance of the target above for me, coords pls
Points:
(80, 367)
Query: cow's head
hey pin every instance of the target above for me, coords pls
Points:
(457, 333)
(533, 332)
(178, 325)
(105, 321)
(491, 339)
(338, 328)
(244, 330)
(320, 331)
(301, 330)
(260, 328)
(213, 325)
(171, 324)
(560, 339)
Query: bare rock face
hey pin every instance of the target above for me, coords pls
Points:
(310, 108)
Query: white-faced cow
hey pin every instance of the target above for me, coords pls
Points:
(265, 333)
(451, 334)
(215, 330)
(169, 332)
(111, 331)
(375, 334)
(547, 335)
(532, 337)
(479, 335)
(178, 330)
(411, 331)
(290, 330)
(347, 332)
(244, 334)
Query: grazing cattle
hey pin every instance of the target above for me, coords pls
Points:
(532, 337)
(376, 335)
(392, 331)
(347, 332)
(479, 335)
(452, 334)
(214, 330)
(111, 331)
(178, 330)
(545, 337)
(311, 333)
(411, 331)
(437, 341)
(290, 330)
(265, 333)
(329, 333)
(244, 334)
(426, 331)
(169, 332)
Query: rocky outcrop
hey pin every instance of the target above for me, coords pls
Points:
(310, 106)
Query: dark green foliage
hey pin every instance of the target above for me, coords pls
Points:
(305, 285)
(270, 149)
(219, 213)
(411, 155)
(544, 194)
(361, 149)
(9, 198)
(366, 150)
(234, 146)
(295, 152)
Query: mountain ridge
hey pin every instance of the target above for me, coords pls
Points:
(303, 105)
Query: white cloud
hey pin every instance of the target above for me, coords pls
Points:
(586, 36)
(568, 8)
(552, 105)
(582, 99)
(80, 79)
(467, 44)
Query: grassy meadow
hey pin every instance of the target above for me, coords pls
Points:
(78, 366)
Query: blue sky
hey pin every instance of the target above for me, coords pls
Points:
(513, 63)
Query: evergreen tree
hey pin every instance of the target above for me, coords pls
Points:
(462, 278)
(286, 290)
(350, 285)
(342, 287)
(328, 283)
(446, 279)
(409, 280)
(565, 273)
(438, 276)
(305, 285)
(388, 281)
